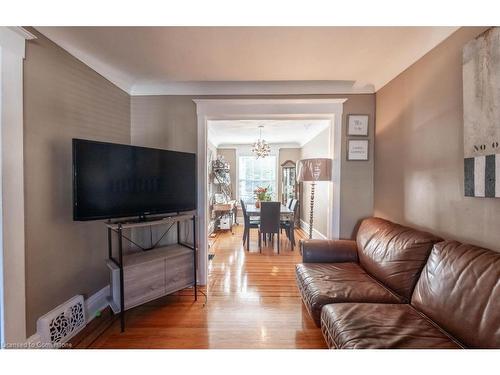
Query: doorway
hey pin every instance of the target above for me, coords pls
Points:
(265, 109)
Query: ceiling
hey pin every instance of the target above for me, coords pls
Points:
(248, 60)
(285, 132)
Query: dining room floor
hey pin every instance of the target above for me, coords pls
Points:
(253, 302)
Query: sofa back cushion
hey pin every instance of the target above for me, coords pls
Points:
(459, 289)
(393, 254)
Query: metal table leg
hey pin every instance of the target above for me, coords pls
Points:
(122, 291)
(195, 260)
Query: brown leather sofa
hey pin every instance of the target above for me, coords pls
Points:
(396, 287)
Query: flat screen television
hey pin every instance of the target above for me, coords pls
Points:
(113, 180)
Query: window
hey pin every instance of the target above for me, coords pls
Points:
(253, 173)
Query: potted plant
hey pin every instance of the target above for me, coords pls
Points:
(262, 194)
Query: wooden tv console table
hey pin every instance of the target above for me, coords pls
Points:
(153, 272)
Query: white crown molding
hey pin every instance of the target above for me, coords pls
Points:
(13, 39)
(268, 108)
(260, 101)
(252, 88)
(22, 32)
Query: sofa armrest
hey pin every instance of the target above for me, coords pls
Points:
(328, 251)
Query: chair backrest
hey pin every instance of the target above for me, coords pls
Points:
(246, 218)
(270, 217)
(289, 202)
(293, 205)
(393, 254)
(243, 208)
(459, 289)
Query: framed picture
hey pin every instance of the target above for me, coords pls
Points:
(357, 125)
(357, 149)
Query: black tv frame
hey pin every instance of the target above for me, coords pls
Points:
(140, 216)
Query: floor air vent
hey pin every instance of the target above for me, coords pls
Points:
(66, 320)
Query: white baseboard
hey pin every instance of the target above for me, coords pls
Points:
(95, 303)
(316, 234)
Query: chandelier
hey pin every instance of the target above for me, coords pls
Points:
(261, 148)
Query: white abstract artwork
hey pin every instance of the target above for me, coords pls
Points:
(481, 101)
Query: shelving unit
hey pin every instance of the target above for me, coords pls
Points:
(152, 272)
(289, 185)
(222, 180)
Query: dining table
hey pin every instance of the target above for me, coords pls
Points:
(286, 214)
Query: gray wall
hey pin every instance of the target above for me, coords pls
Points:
(419, 154)
(63, 99)
(318, 147)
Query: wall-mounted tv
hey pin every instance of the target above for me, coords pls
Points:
(113, 180)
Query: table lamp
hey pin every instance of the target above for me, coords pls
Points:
(313, 170)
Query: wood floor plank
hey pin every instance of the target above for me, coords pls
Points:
(253, 302)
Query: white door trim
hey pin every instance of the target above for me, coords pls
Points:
(238, 109)
(13, 309)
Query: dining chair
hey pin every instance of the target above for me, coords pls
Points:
(289, 226)
(269, 222)
(249, 223)
(288, 202)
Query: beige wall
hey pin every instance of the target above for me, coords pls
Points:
(167, 122)
(318, 147)
(356, 200)
(419, 155)
(63, 99)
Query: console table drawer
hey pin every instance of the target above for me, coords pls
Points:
(180, 272)
(151, 274)
(144, 282)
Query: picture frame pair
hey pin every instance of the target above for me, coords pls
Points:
(357, 149)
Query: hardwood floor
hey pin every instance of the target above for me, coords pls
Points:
(253, 302)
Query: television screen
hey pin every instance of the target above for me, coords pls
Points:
(112, 180)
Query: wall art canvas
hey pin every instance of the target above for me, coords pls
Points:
(481, 101)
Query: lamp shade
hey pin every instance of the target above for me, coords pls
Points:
(319, 169)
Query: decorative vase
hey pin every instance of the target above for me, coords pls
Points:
(257, 203)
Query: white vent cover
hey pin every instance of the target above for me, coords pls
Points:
(66, 320)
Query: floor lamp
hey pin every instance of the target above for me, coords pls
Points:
(313, 170)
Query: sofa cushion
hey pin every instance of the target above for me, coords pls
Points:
(459, 289)
(372, 325)
(324, 283)
(394, 254)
